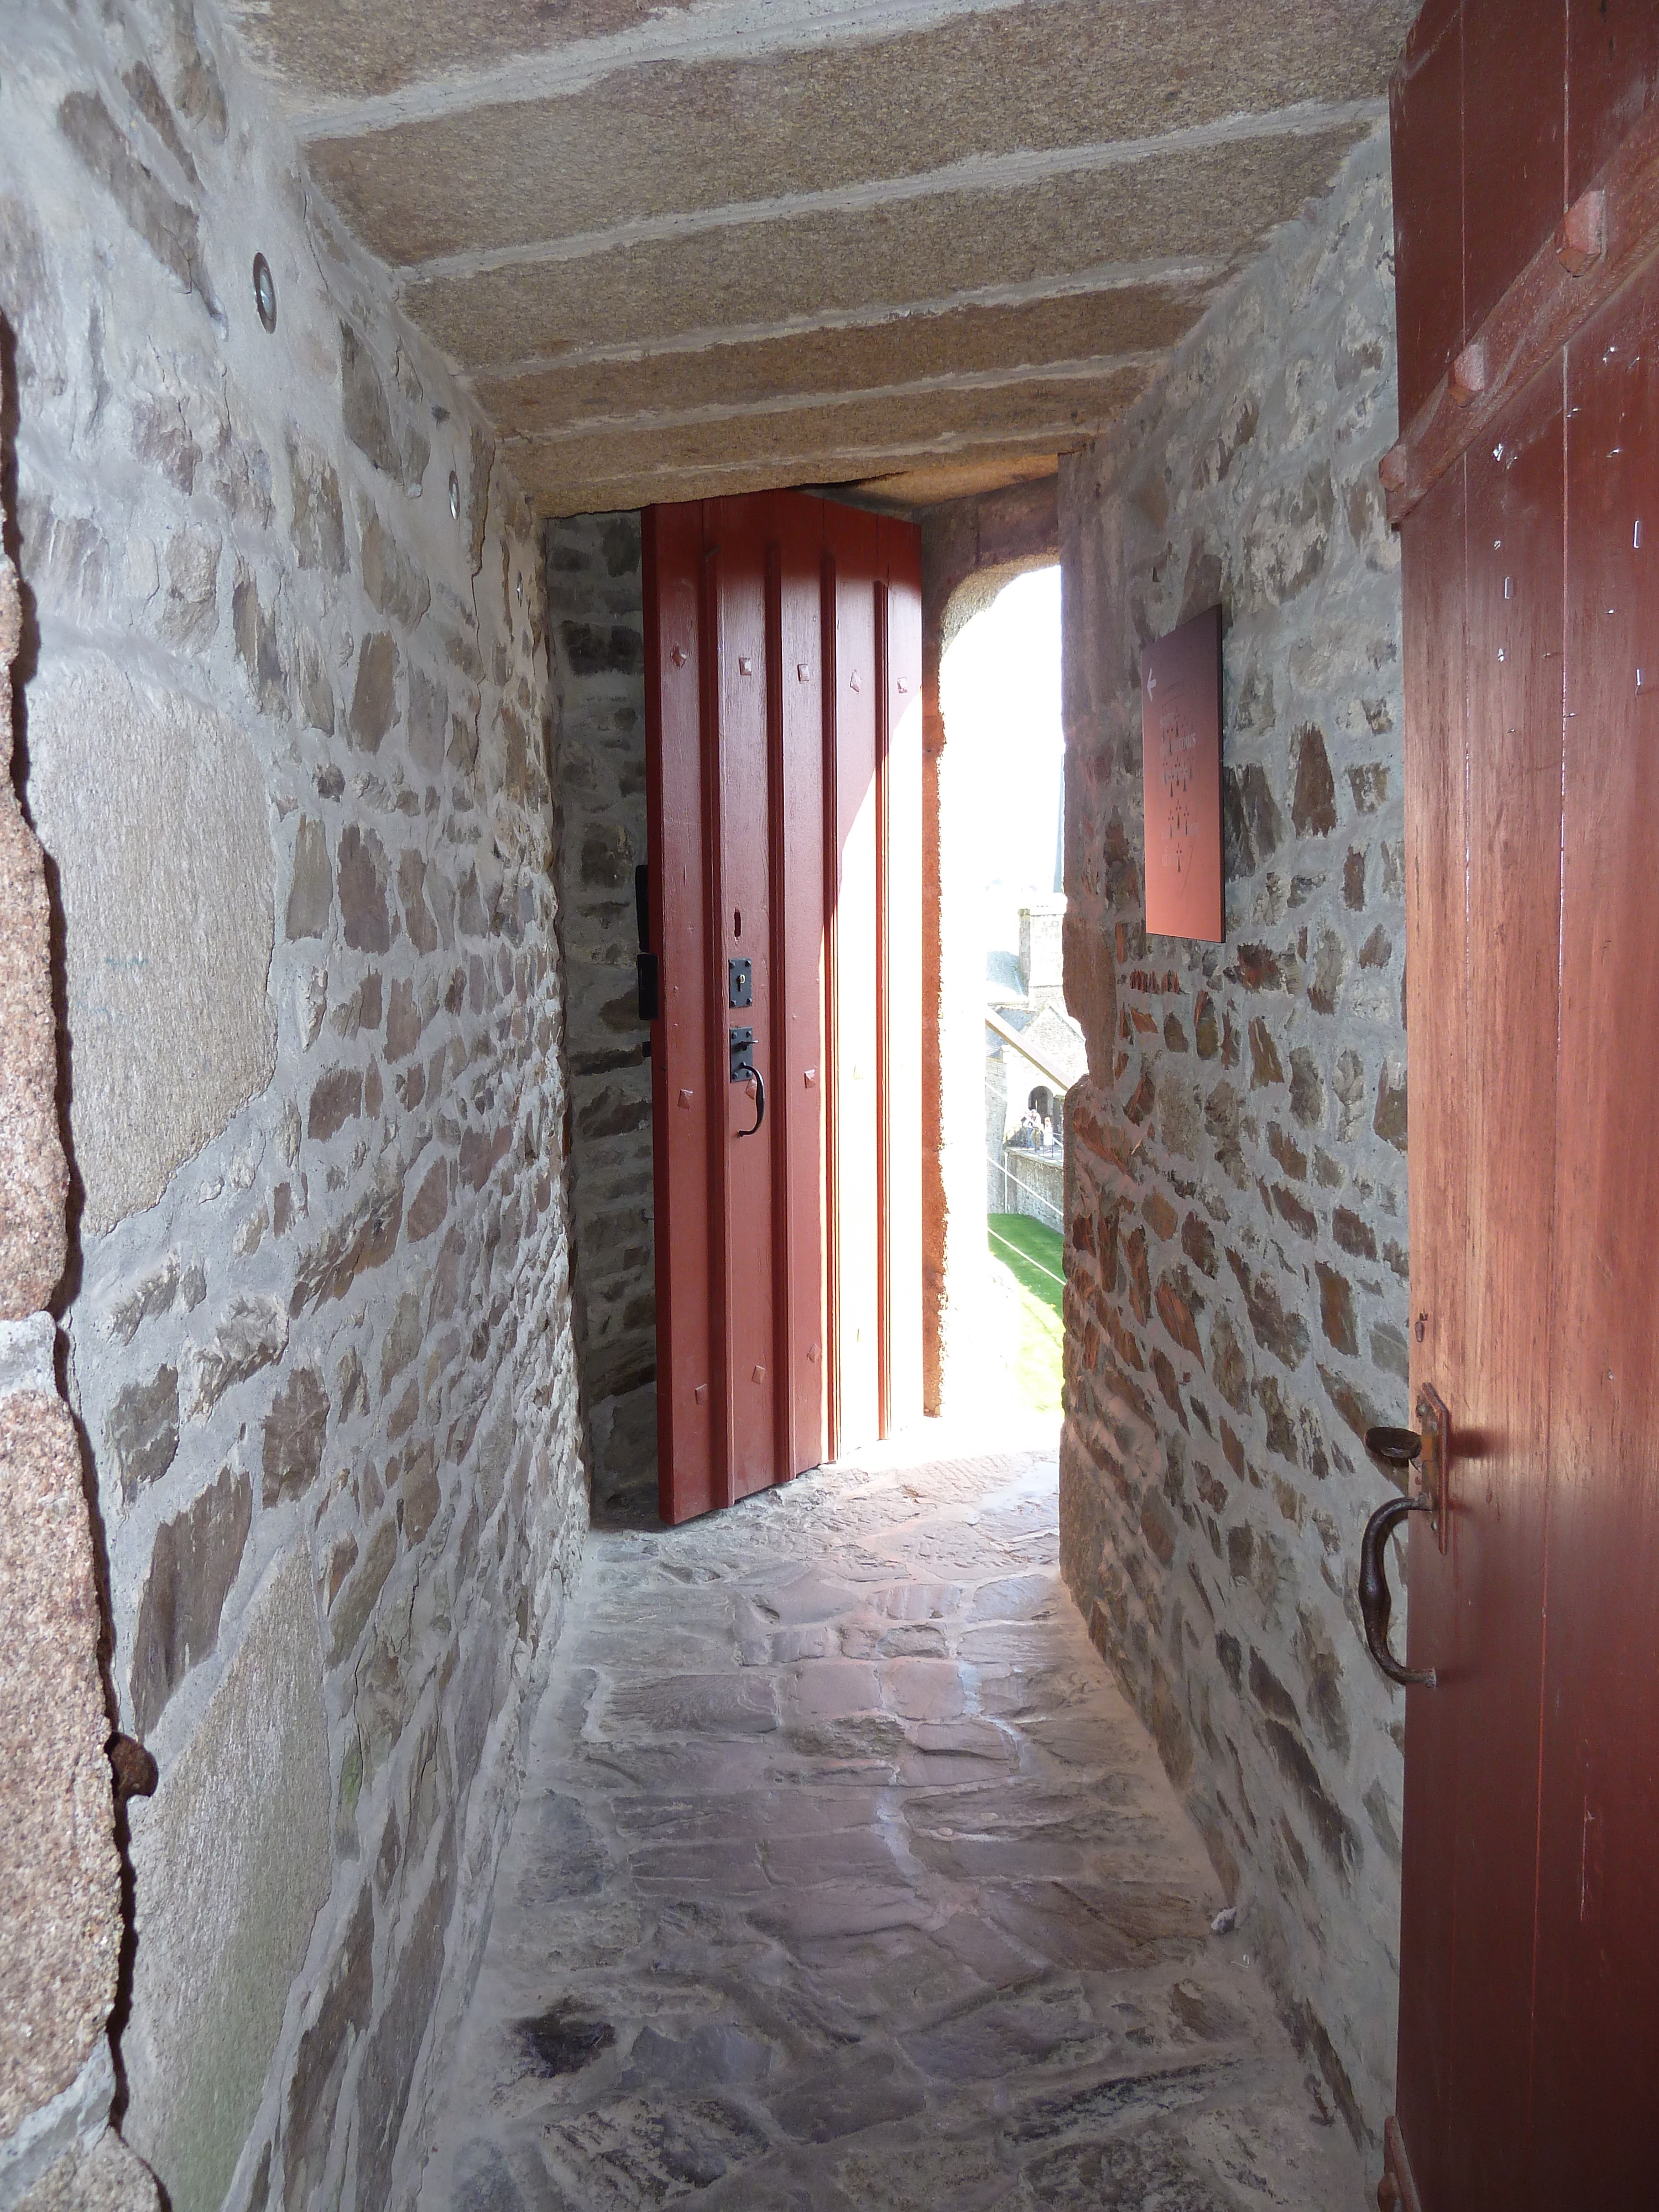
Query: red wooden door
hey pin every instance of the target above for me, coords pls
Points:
(1527, 482)
(784, 918)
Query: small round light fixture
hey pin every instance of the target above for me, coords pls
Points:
(454, 496)
(264, 291)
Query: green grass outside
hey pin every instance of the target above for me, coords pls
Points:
(1034, 1255)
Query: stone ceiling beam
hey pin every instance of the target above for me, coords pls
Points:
(1207, 203)
(1066, 336)
(408, 62)
(718, 243)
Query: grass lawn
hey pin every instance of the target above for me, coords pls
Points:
(1033, 1256)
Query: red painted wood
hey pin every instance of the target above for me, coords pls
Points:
(738, 527)
(1426, 126)
(829, 665)
(1437, 918)
(1530, 1891)
(1613, 80)
(717, 1162)
(1515, 107)
(852, 540)
(680, 1090)
(1500, 1398)
(778, 1132)
(798, 926)
(1543, 312)
(1598, 1922)
(765, 847)
(903, 866)
(885, 1163)
(1483, 1042)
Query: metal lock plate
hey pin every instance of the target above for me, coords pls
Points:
(739, 983)
(1434, 1465)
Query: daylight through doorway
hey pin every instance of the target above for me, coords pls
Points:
(1001, 876)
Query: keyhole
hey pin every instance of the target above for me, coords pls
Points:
(736, 921)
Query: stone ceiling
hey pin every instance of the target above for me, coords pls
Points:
(920, 247)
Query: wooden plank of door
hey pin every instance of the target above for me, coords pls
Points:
(680, 1092)
(743, 932)
(852, 543)
(794, 638)
(1500, 1403)
(1437, 922)
(1514, 101)
(830, 695)
(1598, 1920)
(902, 1050)
(1613, 80)
(1425, 123)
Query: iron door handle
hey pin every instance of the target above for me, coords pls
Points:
(1375, 1604)
(760, 1102)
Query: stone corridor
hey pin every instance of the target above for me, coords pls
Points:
(843, 1877)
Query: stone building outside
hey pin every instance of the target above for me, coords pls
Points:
(1034, 1053)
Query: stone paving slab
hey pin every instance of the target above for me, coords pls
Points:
(845, 1879)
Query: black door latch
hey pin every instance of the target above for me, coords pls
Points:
(645, 961)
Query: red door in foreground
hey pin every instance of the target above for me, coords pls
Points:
(783, 666)
(1526, 151)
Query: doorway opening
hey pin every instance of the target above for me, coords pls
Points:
(1019, 1050)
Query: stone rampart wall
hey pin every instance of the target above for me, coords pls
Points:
(595, 613)
(284, 727)
(1237, 1307)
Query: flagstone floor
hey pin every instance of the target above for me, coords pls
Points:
(844, 1877)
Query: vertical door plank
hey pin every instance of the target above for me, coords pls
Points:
(903, 867)
(1598, 1964)
(853, 540)
(717, 1164)
(1500, 1403)
(1426, 105)
(1437, 920)
(778, 1132)
(1515, 113)
(680, 1095)
(1613, 79)
(829, 706)
(884, 1022)
(745, 933)
(799, 1050)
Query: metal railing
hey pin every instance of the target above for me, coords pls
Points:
(1036, 1196)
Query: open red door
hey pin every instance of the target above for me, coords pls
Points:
(783, 657)
(1526, 154)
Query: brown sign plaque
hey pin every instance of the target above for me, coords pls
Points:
(1181, 769)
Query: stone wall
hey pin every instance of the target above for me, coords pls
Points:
(60, 1868)
(595, 611)
(1237, 1307)
(285, 716)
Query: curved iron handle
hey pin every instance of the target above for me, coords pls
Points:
(760, 1102)
(1375, 1604)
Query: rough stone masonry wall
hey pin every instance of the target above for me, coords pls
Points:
(60, 1872)
(1237, 1301)
(283, 731)
(596, 617)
